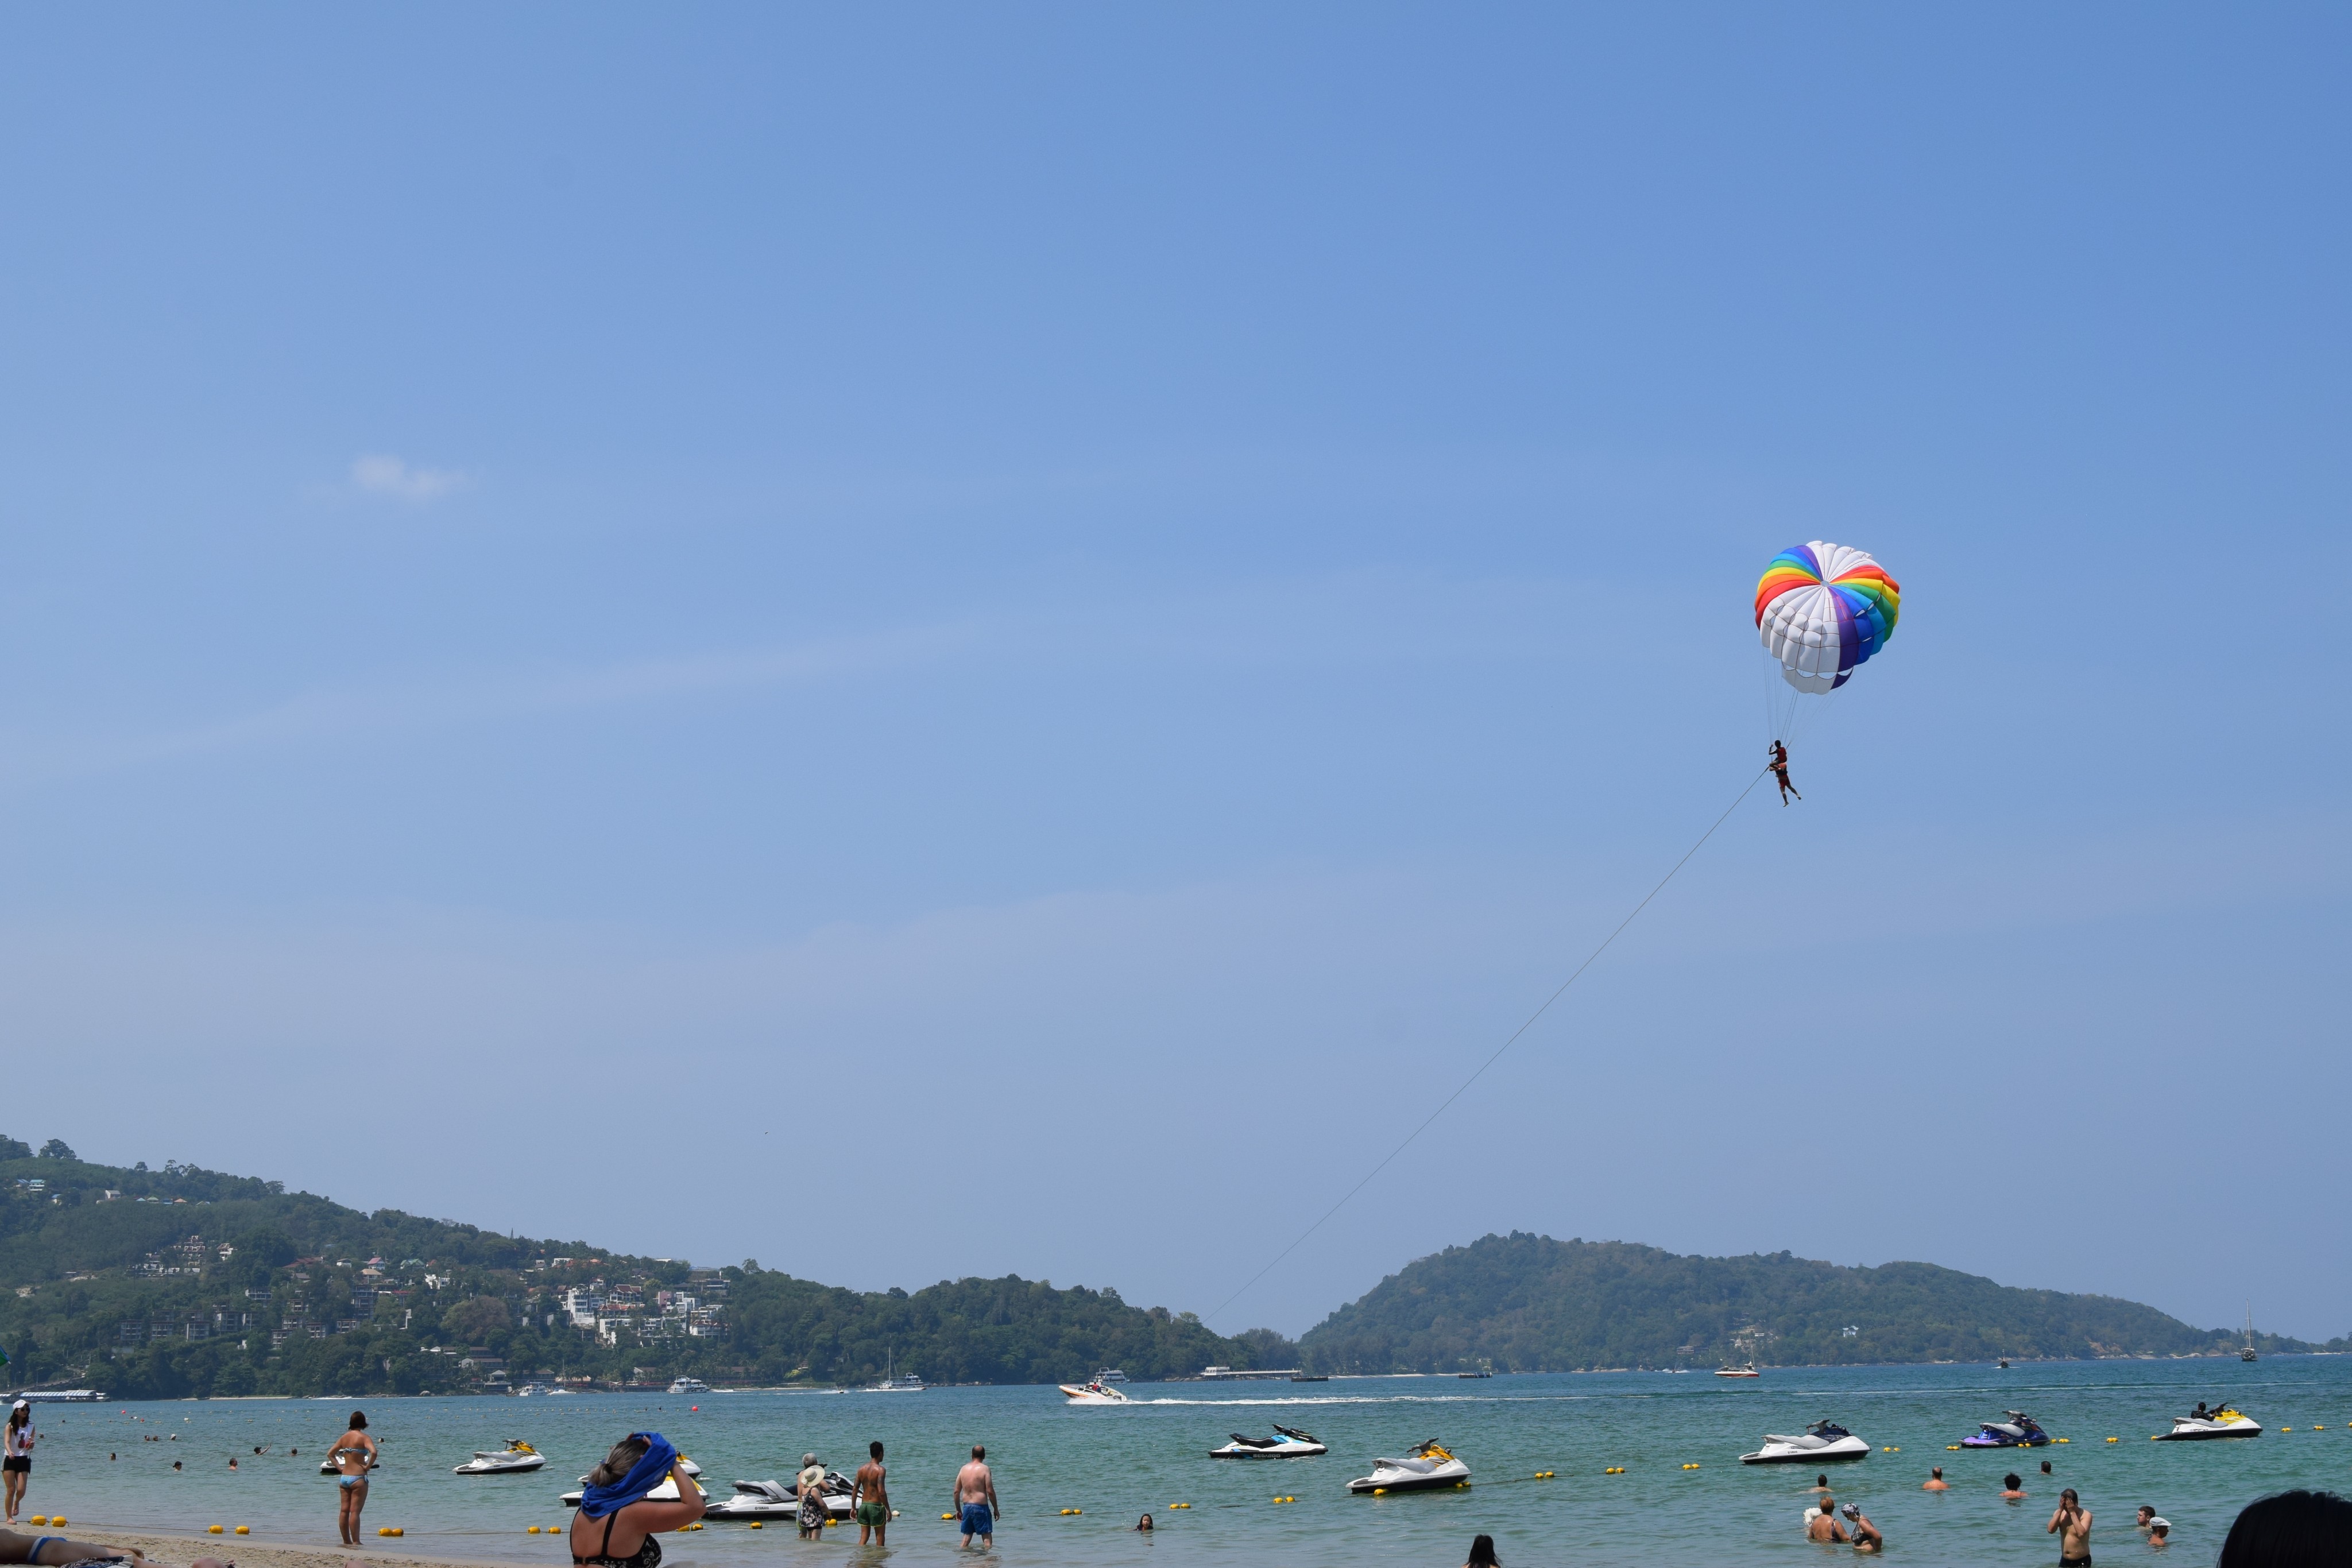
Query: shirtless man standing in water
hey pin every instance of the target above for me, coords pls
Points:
(2072, 1525)
(975, 1498)
(354, 1454)
(872, 1496)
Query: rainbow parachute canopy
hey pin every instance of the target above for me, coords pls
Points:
(1822, 609)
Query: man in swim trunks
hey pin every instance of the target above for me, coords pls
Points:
(2072, 1525)
(872, 1496)
(354, 1455)
(975, 1498)
(1780, 772)
(1821, 1485)
(1823, 1525)
(1936, 1481)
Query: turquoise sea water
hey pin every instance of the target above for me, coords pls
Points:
(1116, 1463)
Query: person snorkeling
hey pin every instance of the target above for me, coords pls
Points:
(1780, 772)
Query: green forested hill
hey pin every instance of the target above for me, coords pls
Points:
(186, 1281)
(1529, 1303)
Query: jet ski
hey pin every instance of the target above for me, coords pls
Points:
(1822, 1441)
(515, 1457)
(777, 1500)
(1095, 1393)
(2019, 1431)
(2222, 1423)
(665, 1492)
(1286, 1444)
(1426, 1468)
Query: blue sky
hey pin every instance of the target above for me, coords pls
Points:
(1039, 624)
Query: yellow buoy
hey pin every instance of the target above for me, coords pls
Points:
(211, 1530)
(532, 1530)
(947, 1516)
(400, 1530)
(244, 1530)
(2066, 1439)
(2115, 1439)
(1380, 1492)
(2286, 1428)
(757, 1525)
(58, 1521)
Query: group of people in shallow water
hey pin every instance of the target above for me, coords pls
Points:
(2288, 1530)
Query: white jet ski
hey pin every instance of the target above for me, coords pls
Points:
(516, 1457)
(2222, 1423)
(1286, 1444)
(665, 1492)
(776, 1501)
(1426, 1468)
(1095, 1393)
(1822, 1441)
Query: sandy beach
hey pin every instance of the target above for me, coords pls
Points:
(254, 1552)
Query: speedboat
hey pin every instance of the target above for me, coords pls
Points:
(1286, 1444)
(665, 1492)
(689, 1385)
(2019, 1431)
(2222, 1423)
(776, 1500)
(1426, 1468)
(1095, 1393)
(516, 1455)
(1747, 1370)
(1822, 1441)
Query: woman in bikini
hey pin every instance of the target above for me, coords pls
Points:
(354, 1454)
(619, 1529)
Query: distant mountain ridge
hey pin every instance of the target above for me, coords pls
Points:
(1523, 1302)
(188, 1282)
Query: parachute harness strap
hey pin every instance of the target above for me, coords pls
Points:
(1513, 1038)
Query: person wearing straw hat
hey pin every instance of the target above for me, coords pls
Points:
(810, 1484)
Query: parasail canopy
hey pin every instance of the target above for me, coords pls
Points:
(1821, 610)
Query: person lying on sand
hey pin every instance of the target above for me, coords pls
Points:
(56, 1550)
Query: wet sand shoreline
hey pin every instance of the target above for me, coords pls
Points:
(257, 1552)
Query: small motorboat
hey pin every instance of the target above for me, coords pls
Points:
(2222, 1423)
(1286, 1444)
(1821, 1442)
(2019, 1431)
(1428, 1468)
(688, 1385)
(767, 1500)
(1110, 1375)
(1746, 1371)
(665, 1492)
(1095, 1393)
(517, 1456)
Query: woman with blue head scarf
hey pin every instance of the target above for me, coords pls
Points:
(619, 1517)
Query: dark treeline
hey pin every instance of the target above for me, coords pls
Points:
(1529, 1303)
(182, 1281)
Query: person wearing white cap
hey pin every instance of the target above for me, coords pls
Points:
(18, 1467)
